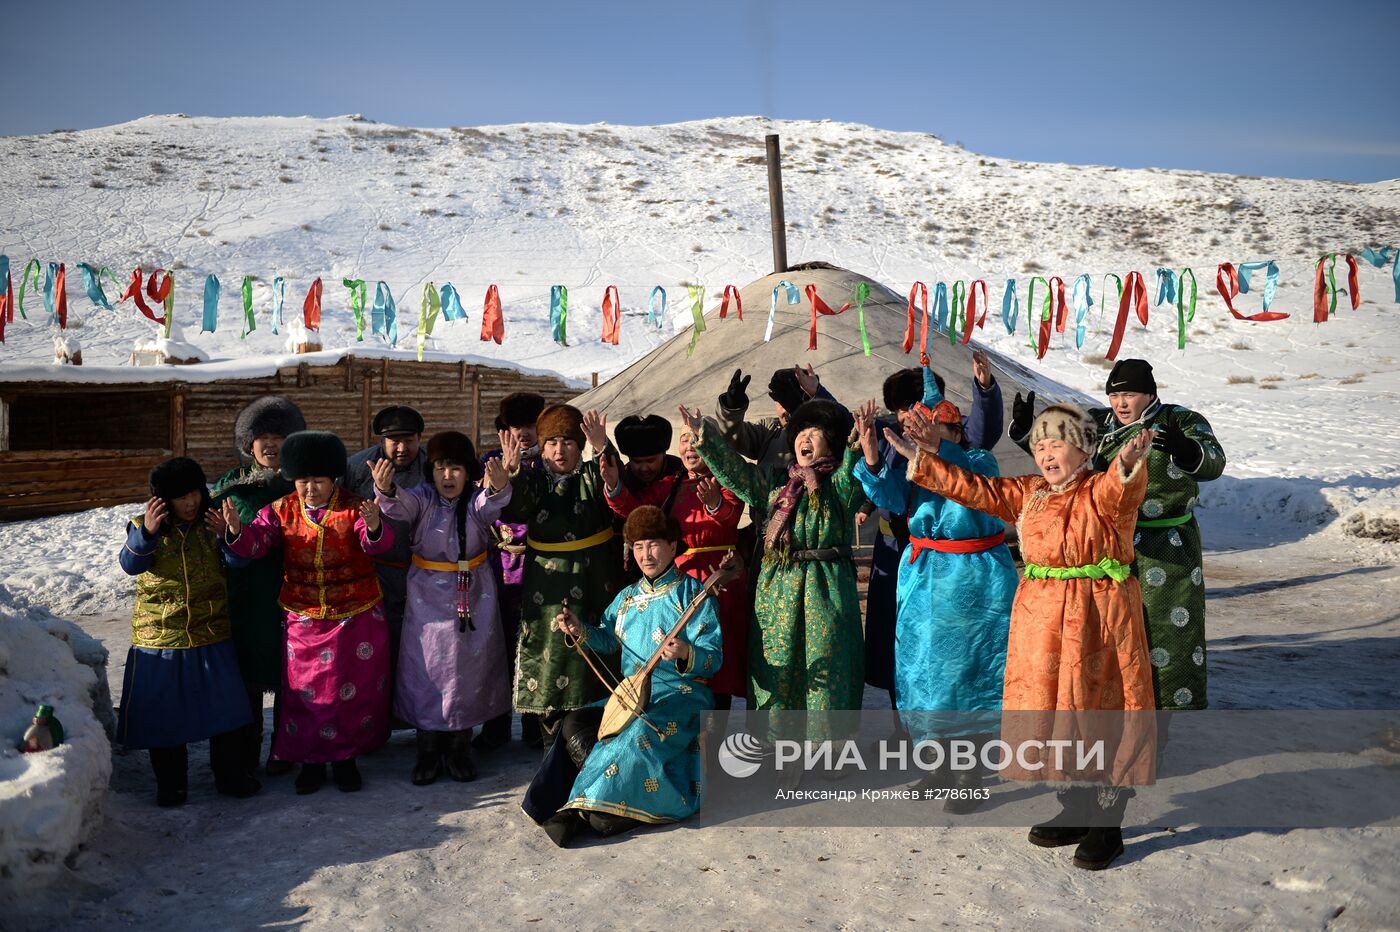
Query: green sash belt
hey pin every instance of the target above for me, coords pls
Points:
(1107, 567)
(1167, 522)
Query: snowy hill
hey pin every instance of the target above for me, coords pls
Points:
(532, 205)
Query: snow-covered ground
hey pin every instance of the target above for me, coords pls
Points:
(1306, 413)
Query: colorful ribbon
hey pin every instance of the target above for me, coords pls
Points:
(451, 303)
(1231, 281)
(792, 298)
(921, 290)
(957, 309)
(970, 319)
(697, 315)
(1046, 314)
(384, 316)
(428, 309)
(7, 296)
(1183, 315)
(1082, 298)
(940, 316)
(861, 296)
(57, 296)
(250, 321)
(32, 269)
(1325, 287)
(1166, 286)
(211, 304)
(559, 314)
(50, 274)
(92, 284)
(819, 307)
(1133, 295)
(655, 317)
(612, 315)
(1010, 306)
(311, 307)
(730, 290)
(358, 292)
(279, 294)
(1379, 257)
(493, 322)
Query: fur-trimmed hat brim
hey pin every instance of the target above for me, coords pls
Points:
(271, 414)
(834, 421)
(649, 522)
(521, 409)
(560, 421)
(312, 453)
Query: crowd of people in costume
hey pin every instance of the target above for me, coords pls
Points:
(420, 585)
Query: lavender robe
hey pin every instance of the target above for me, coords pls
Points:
(448, 680)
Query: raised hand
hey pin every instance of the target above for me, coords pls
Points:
(155, 515)
(497, 478)
(1134, 449)
(595, 428)
(214, 521)
(1184, 451)
(807, 379)
(707, 490)
(369, 510)
(920, 430)
(736, 395)
(382, 471)
(510, 451)
(865, 431)
(982, 369)
(693, 421)
(611, 472)
(233, 521)
(902, 445)
(1022, 415)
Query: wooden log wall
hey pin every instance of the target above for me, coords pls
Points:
(342, 398)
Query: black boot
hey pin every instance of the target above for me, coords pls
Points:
(1071, 825)
(607, 824)
(494, 734)
(310, 779)
(346, 775)
(530, 730)
(170, 765)
(458, 755)
(228, 756)
(429, 764)
(964, 794)
(1104, 841)
(562, 827)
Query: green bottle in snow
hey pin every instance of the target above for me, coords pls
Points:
(44, 733)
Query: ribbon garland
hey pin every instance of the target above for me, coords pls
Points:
(697, 315)
(56, 294)
(1010, 306)
(559, 314)
(1183, 315)
(819, 307)
(133, 292)
(279, 294)
(359, 291)
(1134, 295)
(250, 321)
(92, 284)
(1082, 298)
(428, 308)
(612, 315)
(1231, 281)
(1325, 289)
(493, 322)
(384, 317)
(211, 305)
(311, 307)
(921, 290)
(1166, 286)
(1379, 257)
(861, 296)
(958, 308)
(792, 298)
(970, 319)
(452, 309)
(655, 317)
(724, 302)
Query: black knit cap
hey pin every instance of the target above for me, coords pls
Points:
(834, 421)
(784, 388)
(178, 477)
(454, 448)
(1131, 375)
(308, 454)
(643, 436)
(397, 419)
(521, 409)
(271, 414)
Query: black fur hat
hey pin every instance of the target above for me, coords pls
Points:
(310, 453)
(521, 409)
(271, 414)
(834, 421)
(177, 477)
(456, 448)
(903, 389)
(642, 436)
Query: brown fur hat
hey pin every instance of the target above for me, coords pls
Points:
(560, 421)
(650, 523)
(1068, 423)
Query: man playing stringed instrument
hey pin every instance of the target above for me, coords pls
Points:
(636, 759)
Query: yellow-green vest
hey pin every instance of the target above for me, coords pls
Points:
(182, 600)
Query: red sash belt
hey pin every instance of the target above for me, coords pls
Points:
(918, 545)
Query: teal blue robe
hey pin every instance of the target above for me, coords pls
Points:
(636, 773)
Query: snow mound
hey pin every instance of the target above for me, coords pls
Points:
(51, 800)
(68, 563)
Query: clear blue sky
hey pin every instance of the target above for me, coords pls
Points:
(1268, 88)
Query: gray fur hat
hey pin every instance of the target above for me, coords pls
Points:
(270, 414)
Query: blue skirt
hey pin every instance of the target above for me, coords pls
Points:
(174, 696)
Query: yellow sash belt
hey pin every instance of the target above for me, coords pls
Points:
(564, 546)
(442, 567)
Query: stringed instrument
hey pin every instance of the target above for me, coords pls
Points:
(630, 695)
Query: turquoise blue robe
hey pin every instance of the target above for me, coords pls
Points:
(954, 609)
(636, 773)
